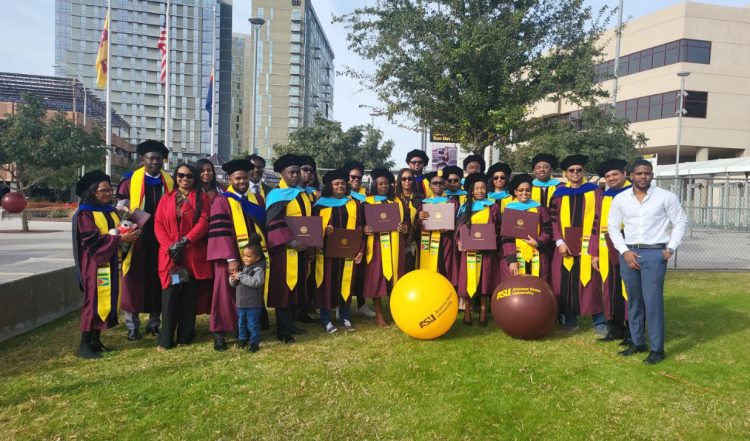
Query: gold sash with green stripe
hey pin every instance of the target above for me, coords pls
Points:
(526, 253)
(389, 245)
(588, 226)
(474, 258)
(104, 272)
(351, 224)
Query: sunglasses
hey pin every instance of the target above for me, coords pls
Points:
(575, 170)
(406, 179)
(185, 176)
(416, 162)
(437, 183)
(453, 181)
(306, 169)
(355, 177)
(497, 178)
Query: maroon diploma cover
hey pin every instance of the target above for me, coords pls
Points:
(139, 217)
(441, 217)
(382, 217)
(573, 237)
(307, 230)
(519, 224)
(479, 237)
(343, 243)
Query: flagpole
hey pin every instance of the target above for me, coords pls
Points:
(108, 124)
(213, 82)
(167, 115)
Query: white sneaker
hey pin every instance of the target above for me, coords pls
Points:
(330, 328)
(348, 326)
(365, 311)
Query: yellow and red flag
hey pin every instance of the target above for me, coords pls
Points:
(102, 57)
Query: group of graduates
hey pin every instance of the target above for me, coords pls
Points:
(179, 262)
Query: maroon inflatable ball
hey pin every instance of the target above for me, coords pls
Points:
(13, 202)
(524, 307)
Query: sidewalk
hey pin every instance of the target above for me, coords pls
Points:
(47, 247)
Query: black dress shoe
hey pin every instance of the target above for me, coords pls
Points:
(612, 335)
(152, 330)
(286, 339)
(626, 341)
(304, 318)
(298, 331)
(134, 334)
(254, 347)
(241, 344)
(633, 349)
(654, 357)
(219, 343)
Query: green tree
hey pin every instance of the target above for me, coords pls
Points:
(598, 133)
(472, 69)
(34, 148)
(331, 146)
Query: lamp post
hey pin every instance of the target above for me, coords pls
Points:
(680, 112)
(257, 22)
(80, 80)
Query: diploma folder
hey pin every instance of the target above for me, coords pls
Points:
(139, 217)
(572, 239)
(520, 224)
(442, 217)
(479, 237)
(343, 243)
(382, 217)
(307, 230)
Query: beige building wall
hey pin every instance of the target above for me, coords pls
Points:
(725, 132)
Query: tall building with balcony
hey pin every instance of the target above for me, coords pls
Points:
(295, 73)
(136, 90)
(239, 125)
(708, 41)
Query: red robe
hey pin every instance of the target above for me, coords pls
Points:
(490, 274)
(169, 231)
(95, 249)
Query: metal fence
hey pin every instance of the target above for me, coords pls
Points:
(718, 208)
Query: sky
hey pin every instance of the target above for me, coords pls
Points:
(29, 47)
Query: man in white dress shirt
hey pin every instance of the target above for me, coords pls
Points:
(644, 213)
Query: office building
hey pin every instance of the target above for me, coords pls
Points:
(295, 73)
(136, 90)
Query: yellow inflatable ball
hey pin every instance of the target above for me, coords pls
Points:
(424, 304)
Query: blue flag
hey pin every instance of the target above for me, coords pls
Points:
(209, 100)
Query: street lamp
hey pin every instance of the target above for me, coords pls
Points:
(680, 112)
(257, 22)
(80, 80)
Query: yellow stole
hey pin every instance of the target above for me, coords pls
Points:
(474, 258)
(526, 253)
(429, 249)
(603, 246)
(104, 272)
(588, 225)
(351, 224)
(240, 231)
(293, 208)
(389, 245)
(536, 194)
(137, 199)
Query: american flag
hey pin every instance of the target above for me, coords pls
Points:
(162, 44)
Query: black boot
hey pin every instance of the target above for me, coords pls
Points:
(84, 349)
(615, 332)
(96, 342)
(219, 343)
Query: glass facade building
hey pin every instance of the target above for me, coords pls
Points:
(136, 90)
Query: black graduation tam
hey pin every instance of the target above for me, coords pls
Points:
(574, 160)
(473, 179)
(609, 165)
(150, 145)
(237, 165)
(499, 166)
(285, 161)
(416, 153)
(353, 165)
(332, 175)
(544, 157)
(382, 172)
(308, 160)
(452, 170)
(89, 179)
(428, 176)
(475, 158)
(518, 180)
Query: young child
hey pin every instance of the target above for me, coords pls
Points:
(249, 282)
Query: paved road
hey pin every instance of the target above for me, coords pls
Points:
(46, 248)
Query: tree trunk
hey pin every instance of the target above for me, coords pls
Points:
(25, 221)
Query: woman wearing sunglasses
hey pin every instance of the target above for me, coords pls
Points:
(406, 192)
(180, 225)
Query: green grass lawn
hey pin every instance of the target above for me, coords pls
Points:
(474, 383)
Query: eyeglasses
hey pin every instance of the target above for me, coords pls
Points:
(185, 176)
(497, 178)
(437, 182)
(106, 190)
(306, 169)
(575, 170)
(406, 179)
(416, 162)
(355, 177)
(453, 181)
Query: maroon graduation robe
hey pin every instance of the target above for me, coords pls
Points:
(375, 284)
(544, 240)
(490, 275)
(95, 249)
(447, 253)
